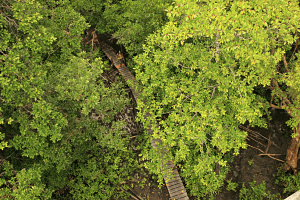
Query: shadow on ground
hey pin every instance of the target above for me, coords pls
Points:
(245, 168)
(249, 166)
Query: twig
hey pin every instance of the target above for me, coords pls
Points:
(285, 63)
(248, 130)
(256, 148)
(213, 93)
(267, 154)
(91, 53)
(135, 194)
(256, 141)
(52, 53)
(128, 193)
(293, 52)
(104, 78)
(269, 143)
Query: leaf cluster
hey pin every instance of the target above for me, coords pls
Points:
(204, 65)
(197, 63)
(48, 90)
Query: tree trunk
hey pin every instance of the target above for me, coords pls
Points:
(292, 152)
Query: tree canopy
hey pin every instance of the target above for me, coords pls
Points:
(198, 63)
(202, 68)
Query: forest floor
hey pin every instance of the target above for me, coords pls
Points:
(245, 168)
(249, 166)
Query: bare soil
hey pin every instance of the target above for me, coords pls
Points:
(245, 168)
(262, 167)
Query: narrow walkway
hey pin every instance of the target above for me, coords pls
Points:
(175, 186)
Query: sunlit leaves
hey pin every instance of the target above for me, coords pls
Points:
(235, 58)
(48, 90)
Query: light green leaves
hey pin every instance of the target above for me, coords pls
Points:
(219, 54)
(3, 144)
(48, 90)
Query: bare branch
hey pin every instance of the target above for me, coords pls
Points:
(285, 64)
(217, 46)
(213, 93)
(295, 48)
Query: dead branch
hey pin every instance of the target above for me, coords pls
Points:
(248, 130)
(129, 193)
(135, 194)
(285, 64)
(269, 144)
(294, 50)
(266, 154)
(257, 141)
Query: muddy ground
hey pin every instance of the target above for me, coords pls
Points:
(246, 167)
(262, 167)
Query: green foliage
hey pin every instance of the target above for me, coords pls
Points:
(290, 182)
(257, 192)
(92, 11)
(131, 22)
(262, 91)
(48, 89)
(29, 183)
(197, 61)
(250, 162)
(232, 186)
(291, 79)
(201, 68)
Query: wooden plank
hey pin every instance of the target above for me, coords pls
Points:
(175, 186)
(171, 165)
(182, 196)
(175, 179)
(177, 192)
(174, 189)
(174, 182)
(170, 168)
(174, 172)
(173, 169)
(179, 196)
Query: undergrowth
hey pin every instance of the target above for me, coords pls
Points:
(291, 182)
(256, 192)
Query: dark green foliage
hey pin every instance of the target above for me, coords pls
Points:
(52, 148)
(203, 79)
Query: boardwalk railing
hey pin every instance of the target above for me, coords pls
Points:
(175, 186)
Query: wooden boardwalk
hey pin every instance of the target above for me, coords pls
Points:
(175, 186)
